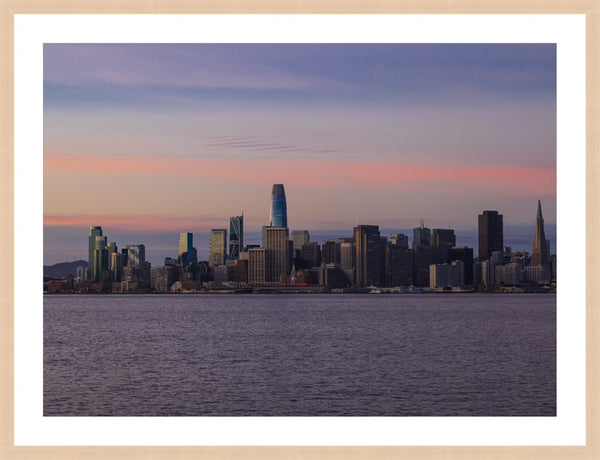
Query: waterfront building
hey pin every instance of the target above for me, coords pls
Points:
(510, 274)
(537, 274)
(399, 239)
(236, 236)
(491, 236)
(348, 261)
(256, 266)
(444, 239)
(399, 265)
(278, 213)
(369, 256)
(186, 254)
(465, 255)
(218, 247)
(240, 270)
(220, 274)
(81, 273)
(446, 275)
(94, 232)
(278, 262)
(540, 253)
(299, 239)
(311, 254)
(425, 255)
(163, 278)
(421, 236)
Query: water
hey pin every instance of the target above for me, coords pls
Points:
(300, 355)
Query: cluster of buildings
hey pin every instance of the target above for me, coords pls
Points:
(289, 261)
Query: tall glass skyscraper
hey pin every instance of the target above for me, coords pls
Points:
(278, 215)
(236, 236)
(94, 232)
(186, 248)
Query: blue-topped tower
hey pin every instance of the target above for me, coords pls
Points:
(278, 215)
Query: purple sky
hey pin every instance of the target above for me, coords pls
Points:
(149, 140)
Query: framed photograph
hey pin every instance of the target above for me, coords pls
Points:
(282, 233)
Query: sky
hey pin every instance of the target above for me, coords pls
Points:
(149, 140)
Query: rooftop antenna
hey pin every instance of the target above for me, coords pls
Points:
(422, 222)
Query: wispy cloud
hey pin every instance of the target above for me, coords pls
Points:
(249, 144)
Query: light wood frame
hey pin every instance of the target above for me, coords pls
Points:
(8, 8)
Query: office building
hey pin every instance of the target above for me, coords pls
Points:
(348, 261)
(369, 256)
(186, 254)
(421, 236)
(331, 252)
(136, 255)
(446, 275)
(399, 265)
(311, 254)
(444, 239)
(399, 239)
(236, 236)
(465, 255)
(278, 262)
(540, 254)
(94, 232)
(257, 266)
(278, 214)
(491, 236)
(218, 247)
(100, 258)
(299, 238)
(425, 255)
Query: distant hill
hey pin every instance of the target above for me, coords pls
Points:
(63, 269)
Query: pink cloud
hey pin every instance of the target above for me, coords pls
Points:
(325, 174)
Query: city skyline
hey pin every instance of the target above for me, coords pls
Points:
(163, 139)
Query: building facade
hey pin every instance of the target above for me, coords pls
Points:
(278, 213)
(236, 236)
(491, 234)
(218, 247)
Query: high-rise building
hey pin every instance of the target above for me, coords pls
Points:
(236, 236)
(399, 239)
(218, 247)
(465, 255)
(278, 214)
(348, 260)
(136, 255)
(490, 234)
(421, 236)
(299, 238)
(540, 254)
(186, 249)
(331, 252)
(100, 258)
(443, 239)
(257, 265)
(311, 254)
(94, 232)
(369, 256)
(278, 262)
(399, 265)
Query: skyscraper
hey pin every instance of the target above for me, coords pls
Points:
(278, 214)
(277, 254)
(218, 247)
(421, 235)
(369, 255)
(186, 248)
(491, 237)
(540, 255)
(94, 232)
(136, 255)
(300, 238)
(100, 258)
(443, 239)
(236, 236)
